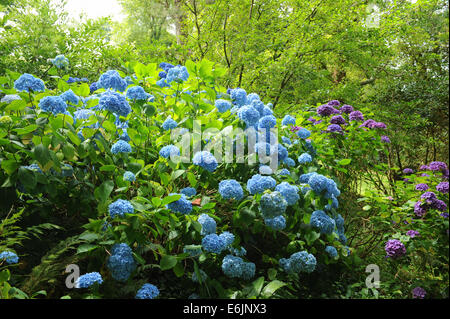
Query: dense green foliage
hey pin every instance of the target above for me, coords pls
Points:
(296, 55)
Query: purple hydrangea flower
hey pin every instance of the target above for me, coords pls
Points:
(421, 187)
(419, 210)
(395, 248)
(419, 293)
(337, 119)
(385, 139)
(424, 168)
(408, 171)
(412, 233)
(334, 103)
(334, 128)
(442, 187)
(356, 116)
(326, 110)
(438, 166)
(429, 197)
(346, 109)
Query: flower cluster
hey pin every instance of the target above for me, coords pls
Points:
(177, 74)
(60, 61)
(120, 207)
(138, 93)
(9, 256)
(121, 262)
(272, 204)
(188, 191)
(206, 160)
(258, 184)
(89, 279)
(289, 192)
(70, 97)
(121, 147)
(231, 189)
(395, 248)
(26, 83)
(112, 80)
(301, 261)
(323, 222)
(208, 224)
(235, 267)
(53, 104)
(276, 223)
(115, 103)
(183, 205)
(129, 176)
(147, 291)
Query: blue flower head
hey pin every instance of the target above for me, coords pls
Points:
(267, 122)
(239, 96)
(318, 182)
(248, 114)
(162, 83)
(232, 266)
(169, 124)
(286, 140)
(93, 87)
(147, 291)
(53, 104)
(188, 191)
(276, 223)
(281, 152)
(208, 224)
(112, 80)
(288, 120)
(289, 192)
(331, 251)
(89, 279)
(248, 270)
(121, 147)
(169, 150)
(258, 183)
(203, 276)
(222, 105)
(9, 257)
(166, 66)
(302, 262)
(26, 83)
(137, 93)
(323, 222)
(259, 106)
(231, 189)
(119, 208)
(183, 205)
(69, 96)
(177, 74)
(303, 133)
(289, 162)
(228, 238)
(304, 158)
(115, 103)
(121, 262)
(272, 204)
(284, 172)
(213, 243)
(60, 61)
(266, 111)
(83, 114)
(206, 160)
(252, 97)
(129, 176)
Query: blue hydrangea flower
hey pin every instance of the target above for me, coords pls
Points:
(69, 96)
(276, 223)
(232, 266)
(222, 105)
(93, 87)
(121, 147)
(60, 61)
(241, 251)
(266, 111)
(121, 262)
(83, 114)
(284, 172)
(137, 93)
(320, 220)
(178, 74)
(318, 182)
(227, 237)
(289, 192)
(206, 160)
(169, 150)
(339, 220)
(288, 120)
(258, 184)
(119, 208)
(9, 98)
(263, 148)
(129, 176)
(248, 114)
(89, 279)
(169, 124)
(252, 97)
(265, 170)
(289, 162)
(112, 80)
(115, 103)
(272, 204)
(183, 205)
(248, 270)
(281, 152)
(334, 203)
(203, 276)
(331, 251)
(188, 191)
(303, 133)
(54, 104)
(166, 66)
(304, 178)
(302, 262)
(259, 106)
(162, 83)
(147, 291)
(304, 158)
(286, 140)
(9, 257)
(239, 96)
(208, 224)
(213, 243)
(231, 189)
(26, 83)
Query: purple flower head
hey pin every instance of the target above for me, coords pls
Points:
(438, 166)
(317, 122)
(334, 128)
(412, 233)
(295, 128)
(312, 120)
(421, 187)
(442, 187)
(326, 110)
(424, 168)
(346, 109)
(395, 248)
(334, 103)
(378, 125)
(337, 119)
(419, 210)
(445, 215)
(356, 116)
(425, 175)
(385, 139)
(406, 180)
(418, 293)
(408, 171)
(368, 123)
(429, 197)
(439, 205)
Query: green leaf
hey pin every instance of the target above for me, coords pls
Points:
(156, 201)
(271, 287)
(169, 199)
(178, 270)
(27, 129)
(191, 178)
(312, 237)
(16, 105)
(42, 154)
(68, 151)
(108, 168)
(168, 262)
(345, 161)
(27, 177)
(85, 248)
(4, 276)
(256, 287)
(10, 166)
(102, 192)
(177, 174)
